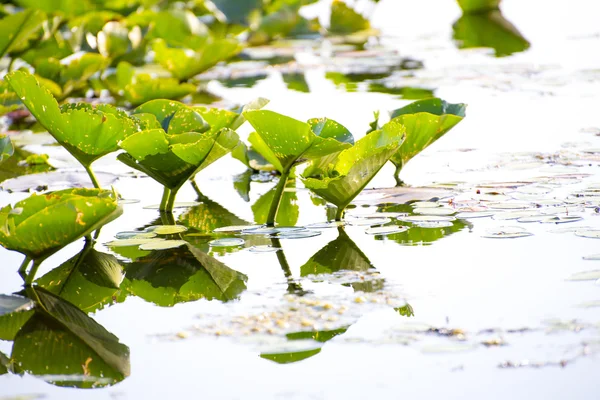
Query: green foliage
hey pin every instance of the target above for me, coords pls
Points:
(288, 211)
(339, 178)
(489, 29)
(475, 6)
(6, 148)
(42, 224)
(177, 144)
(139, 87)
(16, 30)
(87, 132)
(17, 165)
(344, 20)
(185, 63)
(425, 121)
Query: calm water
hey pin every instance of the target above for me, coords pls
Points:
(493, 318)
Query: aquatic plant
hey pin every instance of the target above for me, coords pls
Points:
(6, 147)
(17, 29)
(426, 121)
(40, 225)
(85, 131)
(474, 6)
(340, 177)
(176, 145)
(286, 142)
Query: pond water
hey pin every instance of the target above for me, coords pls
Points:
(504, 303)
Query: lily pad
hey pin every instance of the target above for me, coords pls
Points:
(386, 230)
(297, 234)
(369, 221)
(585, 276)
(166, 229)
(50, 221)
(506, 232)
(227, 242)
(263, 249)
(426, 218)
(589, 233)
(236, 228)
(434, 211)
(162, 245)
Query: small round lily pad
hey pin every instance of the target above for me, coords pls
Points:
(166, 229)
(135, 235)
(585, 276)
(297, 234)
(434, 224)
(236, 228)
(589, 233)
(386, 230)
(263, 249)
(507, 232)
(325, 225)
(561, 219)
(474, 214)
(434, 211)
(162, 244)
(369, 221)
(427, 218)
(131, 242)
(510, 206)
(226, 242)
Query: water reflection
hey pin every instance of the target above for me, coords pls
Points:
(296, 81)
(489, 29)
(182, 274)
(420, 235)
(57, 342)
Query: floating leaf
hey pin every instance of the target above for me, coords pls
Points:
(386, 230)
(589, 233)
(50, 221)
(226, 242)
(135, 235)
(507, 232)
(426, 218)
(166, 229)
(132, 242)
(592, 257)
(263, 249)
(297, 234)
(585, 276)
(340, 178)
(162, 245)
(68, 348)
(326, 225)
(434, 211)
(235, 228)
(369, 221)
(474, 214)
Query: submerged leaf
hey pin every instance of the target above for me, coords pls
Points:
(50, 221)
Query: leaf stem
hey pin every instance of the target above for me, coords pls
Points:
(339, 214)
(399, 181)
(293, 287)
(165, 199)
(23, 267)
(277, 197)
(195, 186)
(171, 201)
(88, 169)
(32, 272)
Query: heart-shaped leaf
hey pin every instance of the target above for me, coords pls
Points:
(42, 224)
(339, 178)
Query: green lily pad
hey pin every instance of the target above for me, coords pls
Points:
(162, 245)
(425, 121)
(17, 29)
(185, 63)
(45, 223)
(340, 178)
(87, 132)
